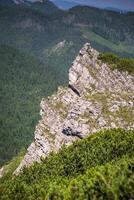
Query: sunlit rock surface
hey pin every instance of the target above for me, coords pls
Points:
(96, 98)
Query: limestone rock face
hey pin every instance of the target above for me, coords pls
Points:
(97, 98)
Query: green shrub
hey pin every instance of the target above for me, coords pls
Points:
(98, 167)
(122, 64)
(113, 180)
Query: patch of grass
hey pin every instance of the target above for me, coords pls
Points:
(126, 113)
(46, 131)
(10, 167)
(116, 62)
(61, 108)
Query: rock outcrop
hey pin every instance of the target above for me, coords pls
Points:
(97, 98)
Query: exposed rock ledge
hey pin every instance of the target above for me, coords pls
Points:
(96, 98)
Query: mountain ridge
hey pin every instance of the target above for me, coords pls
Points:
(97, 98)
(44, 6)
(80, 21)
(54, 40)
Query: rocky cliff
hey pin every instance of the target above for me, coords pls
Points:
(97, 97)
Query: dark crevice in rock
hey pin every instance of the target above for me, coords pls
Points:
(69, 132)
(74, 90)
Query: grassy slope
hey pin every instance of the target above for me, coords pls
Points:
(10, 167)
(99, 167)
(116, 62)
(93, 37)
(110, 25)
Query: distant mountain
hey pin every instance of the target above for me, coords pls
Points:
(112, 26)
(7, 2)
(44, 6)
(64, 4)
(116, 10)
(13, 2)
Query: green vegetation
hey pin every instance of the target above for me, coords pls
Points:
(45, 6)
(116, 62)
(28, 73)
(98, 167)
(24, 80)
(32, 31)
(110, 26)
(126, 113)
(116, 47)
(12, 165)
(31, 66)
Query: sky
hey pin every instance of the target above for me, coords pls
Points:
(121, 4)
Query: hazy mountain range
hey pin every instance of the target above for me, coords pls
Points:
(120, 5)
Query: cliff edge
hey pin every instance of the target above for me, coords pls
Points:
(97, 98)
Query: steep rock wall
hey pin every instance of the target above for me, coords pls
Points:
(97, 98)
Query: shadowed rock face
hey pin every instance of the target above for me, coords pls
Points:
(96, 98)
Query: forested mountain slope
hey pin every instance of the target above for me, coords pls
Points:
(44, 44)
(7, 2)
(111, 25)
(44, 6)
(34, 31)
(38, 41)
(23, 82)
